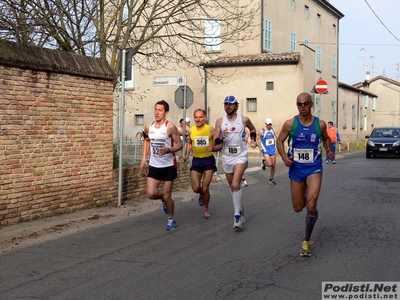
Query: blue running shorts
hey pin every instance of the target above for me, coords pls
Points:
(299, 172)
(203, 164)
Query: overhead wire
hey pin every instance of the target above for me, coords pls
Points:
(381, 20)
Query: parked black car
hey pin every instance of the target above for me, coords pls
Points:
(383, 141)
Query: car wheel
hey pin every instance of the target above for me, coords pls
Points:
(368, 155)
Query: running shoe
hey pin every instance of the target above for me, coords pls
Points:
(237, 223)
(305, 248)
(164, 206)
(242, 218)
(244, 183)
(334, 161)
(272, 182)
(201, 203)
(263, 165)
(171, 225)
(327, 161)
(206, 213)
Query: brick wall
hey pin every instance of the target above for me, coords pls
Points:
(134, 184)
(56, 135)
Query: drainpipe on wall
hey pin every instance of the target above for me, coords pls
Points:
(205, 94)
(337, 78)
(262, 25)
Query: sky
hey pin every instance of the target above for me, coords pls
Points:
(368, 42)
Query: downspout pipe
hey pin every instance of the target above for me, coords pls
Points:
(205, 92)
(337, 77)
(262, 26)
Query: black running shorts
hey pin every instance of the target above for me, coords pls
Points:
(163, 174)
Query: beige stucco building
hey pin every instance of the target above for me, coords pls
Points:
(356, 111)
(387, 107)
(296, 44)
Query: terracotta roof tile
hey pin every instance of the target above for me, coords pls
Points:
(263, 58)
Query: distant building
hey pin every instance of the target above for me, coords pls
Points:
(296, 44)
(387, 107)
(356, 112)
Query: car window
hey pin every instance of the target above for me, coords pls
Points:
(387, 134)
(377, 133)
(395, 133)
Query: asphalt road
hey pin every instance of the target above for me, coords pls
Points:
(356, 238)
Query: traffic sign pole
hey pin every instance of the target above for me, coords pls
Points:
(121, 114)
(184, 114)
(179, 100)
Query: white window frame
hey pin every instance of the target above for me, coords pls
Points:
(139, 119)
(319, 58)
(212, 35)
(251, 104)
(334, 65)
(373, 103)
(293, 42)
(362, 113)
(318, 106)
(306, 12)
(267, 44)
(334, 110)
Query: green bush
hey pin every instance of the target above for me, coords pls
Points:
(115, 156)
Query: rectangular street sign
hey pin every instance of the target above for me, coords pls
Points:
(169, 80)
(165, 80)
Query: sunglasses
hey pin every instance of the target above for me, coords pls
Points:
(305, 103)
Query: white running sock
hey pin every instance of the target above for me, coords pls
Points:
(237, 201)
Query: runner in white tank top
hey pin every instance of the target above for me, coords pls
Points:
(159, 138)
(162, 140)
(230, 132)
(234, 147)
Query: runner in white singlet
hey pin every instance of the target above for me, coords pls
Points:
(161, 137)
(230, 130)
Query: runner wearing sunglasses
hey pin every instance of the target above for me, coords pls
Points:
(304, 159)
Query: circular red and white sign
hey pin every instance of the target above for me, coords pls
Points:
(321, 87)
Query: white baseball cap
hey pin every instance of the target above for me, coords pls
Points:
(268, 121)
(187, 119)
(231, 99)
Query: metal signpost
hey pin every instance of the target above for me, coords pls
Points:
(121, 114)
(126, 71)
(183, 95)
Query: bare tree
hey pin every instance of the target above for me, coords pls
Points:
(160, 32)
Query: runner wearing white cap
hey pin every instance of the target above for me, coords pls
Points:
(230, 132)
(266, 140)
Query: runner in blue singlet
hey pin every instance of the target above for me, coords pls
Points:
(304, 133)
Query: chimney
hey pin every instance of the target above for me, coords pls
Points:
(367, 75)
